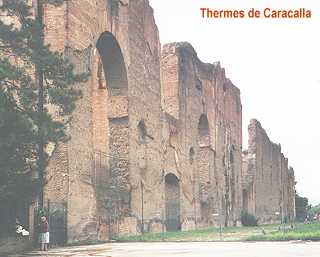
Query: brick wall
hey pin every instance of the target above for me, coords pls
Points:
(168, 92)
(190, 90)
(271, 184)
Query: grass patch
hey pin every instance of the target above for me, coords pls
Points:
(300, 232)
(233, 234)
(200, 235)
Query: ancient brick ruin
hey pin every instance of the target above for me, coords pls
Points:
(202, 136)
(268, 182)
(156, 140)
(116, 128)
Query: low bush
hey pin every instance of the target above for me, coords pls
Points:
(248, 219)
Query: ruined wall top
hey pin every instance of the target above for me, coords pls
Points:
(213, 71)
(292, 175)
(257, 132)
(188, 50)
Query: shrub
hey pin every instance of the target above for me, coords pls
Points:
(248, 219)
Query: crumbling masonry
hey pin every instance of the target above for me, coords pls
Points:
(156, 140)
(268, 182)
(201, 136)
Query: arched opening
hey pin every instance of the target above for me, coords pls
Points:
(203, 158)
(109, 92)
(203, 131)
(191, 155)
(110, 124)
(142, 131)
(112, 60)
(172, 202)
(245, 197)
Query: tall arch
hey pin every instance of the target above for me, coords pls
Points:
(172, 202)
(113, 64)
(191, 155)
(109, 92)
(203, 131)
(245, 201)
(110, 117)
(204, 160)
(142, 131)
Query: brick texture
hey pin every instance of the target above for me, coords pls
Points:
(147, 113)
(269, 184)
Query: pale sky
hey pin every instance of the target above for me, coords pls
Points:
(276, 65)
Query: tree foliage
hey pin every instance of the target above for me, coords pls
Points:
(302, 206)
(314, 210)
(23, 123)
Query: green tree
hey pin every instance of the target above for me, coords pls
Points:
(302, 206)
(32, 79)
(314, 210)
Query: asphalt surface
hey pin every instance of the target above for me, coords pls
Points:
(255, 249)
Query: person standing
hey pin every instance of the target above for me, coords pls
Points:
(44, 234)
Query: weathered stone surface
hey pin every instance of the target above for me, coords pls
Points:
(131, 45)
(268, 182)
(203, 123)
(165, 125)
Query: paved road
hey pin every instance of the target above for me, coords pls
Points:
(288, 249)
